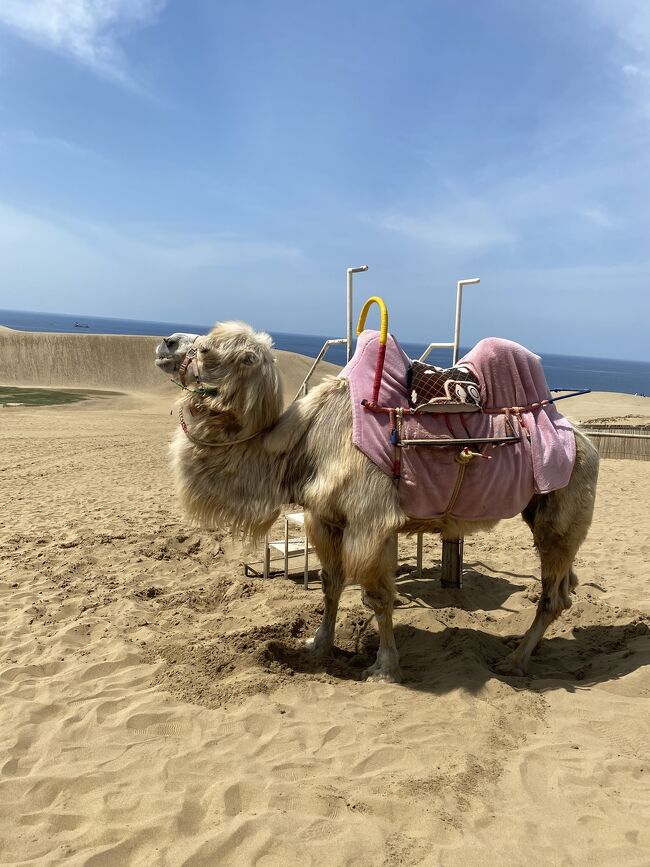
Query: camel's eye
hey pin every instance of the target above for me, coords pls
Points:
(203, 349)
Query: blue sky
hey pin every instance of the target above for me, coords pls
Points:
(196, 160)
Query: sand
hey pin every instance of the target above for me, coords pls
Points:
(157, 708)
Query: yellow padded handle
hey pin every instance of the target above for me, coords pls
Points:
(383, 330)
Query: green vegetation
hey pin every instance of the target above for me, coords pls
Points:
(38, 396)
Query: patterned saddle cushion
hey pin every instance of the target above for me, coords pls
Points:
(439, 389)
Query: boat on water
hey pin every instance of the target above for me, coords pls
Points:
(81, 325)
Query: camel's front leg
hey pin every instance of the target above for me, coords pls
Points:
(327, 542)
(374, 570)
(386, 666)
(324, 639)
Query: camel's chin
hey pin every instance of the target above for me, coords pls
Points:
(166, 365)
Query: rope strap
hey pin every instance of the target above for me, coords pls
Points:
(463, 459)
(516, 410)
(214, 445)
(202, 390)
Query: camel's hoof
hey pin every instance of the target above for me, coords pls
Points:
(316, 647)
(379, 675)
(510, 667)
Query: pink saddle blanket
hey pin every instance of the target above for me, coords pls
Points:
(509, 376)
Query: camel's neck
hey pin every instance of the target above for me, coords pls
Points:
(241, 485)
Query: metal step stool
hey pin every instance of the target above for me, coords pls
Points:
(289, 547)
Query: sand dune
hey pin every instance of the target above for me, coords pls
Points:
(157, 706)
(113, 362)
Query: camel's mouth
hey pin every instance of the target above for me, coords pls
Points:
(167, 365)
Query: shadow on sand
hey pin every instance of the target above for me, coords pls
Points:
(480, 592)
(448, 658)
(458, 658)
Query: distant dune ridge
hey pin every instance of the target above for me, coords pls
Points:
(115, 362)
(118, 362)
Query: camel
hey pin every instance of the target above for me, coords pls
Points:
(237, 459)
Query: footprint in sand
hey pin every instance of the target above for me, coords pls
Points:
(156, 725)
(240, 798)
(379, 761)
(258, 724)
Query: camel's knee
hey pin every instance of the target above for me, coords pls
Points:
(558, 578)
(331, 584)
(556, 596)
(324, 580)
(379, 598)
(567, 588)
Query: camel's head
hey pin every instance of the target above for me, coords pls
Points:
(237, 369)
(171, 351)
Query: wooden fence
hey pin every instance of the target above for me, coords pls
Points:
(631, 442)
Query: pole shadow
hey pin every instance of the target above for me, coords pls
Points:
(480, 592)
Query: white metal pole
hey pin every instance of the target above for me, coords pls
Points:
(286, 547)
(351, 271)
(459, 305)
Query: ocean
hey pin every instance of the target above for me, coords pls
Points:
(566, 372)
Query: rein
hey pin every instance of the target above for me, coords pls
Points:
(200, 442)
(190, 362)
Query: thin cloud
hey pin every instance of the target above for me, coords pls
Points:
(179, 250)
(599, 216)
(629, 22)
(628, 19)
(631, 69)
(470, 228)
(86, 31)
(61, 145)
(72, 252)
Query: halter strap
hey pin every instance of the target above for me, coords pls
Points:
(189, 361)
(214, 445)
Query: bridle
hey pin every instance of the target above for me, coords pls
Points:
(189, 363)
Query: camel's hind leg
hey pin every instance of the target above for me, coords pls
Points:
(555, 598)
(327, 542)
(559, 521)
(372, 567)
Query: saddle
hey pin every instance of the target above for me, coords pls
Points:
(432, 482)
(439, 389)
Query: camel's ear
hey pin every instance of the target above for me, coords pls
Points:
(257, 350)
